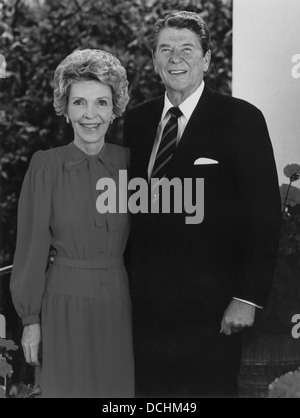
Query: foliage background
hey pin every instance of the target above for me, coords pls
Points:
(35, 35)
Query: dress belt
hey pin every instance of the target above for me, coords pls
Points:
(89, 264)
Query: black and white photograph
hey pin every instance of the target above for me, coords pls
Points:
(149, 201)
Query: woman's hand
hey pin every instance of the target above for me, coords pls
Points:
(30, 342)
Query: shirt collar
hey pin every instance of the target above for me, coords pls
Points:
(188, 106)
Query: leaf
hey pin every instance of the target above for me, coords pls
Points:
(25, 391)
(5, 368)
(8, 345)
(30, 129)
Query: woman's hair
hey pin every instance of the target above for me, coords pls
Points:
(86, 65)
(183, 20)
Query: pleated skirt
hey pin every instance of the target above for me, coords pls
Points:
(86, 334)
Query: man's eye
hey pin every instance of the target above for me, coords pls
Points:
(165, 50)
(187, 49)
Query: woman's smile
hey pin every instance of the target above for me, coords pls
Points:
(90, 126)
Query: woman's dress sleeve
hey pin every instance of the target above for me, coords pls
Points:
(33, 240)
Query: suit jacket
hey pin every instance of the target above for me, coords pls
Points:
(183, 271)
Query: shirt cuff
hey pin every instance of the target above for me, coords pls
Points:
(249, 303)
(33, 319)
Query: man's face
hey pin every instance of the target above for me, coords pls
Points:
(179, 61)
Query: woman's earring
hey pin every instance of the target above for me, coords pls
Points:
(67, 119)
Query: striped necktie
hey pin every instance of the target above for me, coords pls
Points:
(167, 145)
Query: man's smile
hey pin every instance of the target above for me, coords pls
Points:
(177, 72)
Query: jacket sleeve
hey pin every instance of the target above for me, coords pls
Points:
(258, 189)
(33, 240)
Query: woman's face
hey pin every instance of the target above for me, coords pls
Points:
(90, 110)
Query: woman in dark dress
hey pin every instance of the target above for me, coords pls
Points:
(78, 313)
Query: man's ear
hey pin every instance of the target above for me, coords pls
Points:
(207, 59)
(154, 62)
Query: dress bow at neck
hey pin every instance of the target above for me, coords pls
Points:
(88, 159)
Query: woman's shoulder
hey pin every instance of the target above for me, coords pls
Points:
(118, 153)
(47, 159)
(116, 149)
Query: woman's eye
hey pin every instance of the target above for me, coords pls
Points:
(78, 102)
(102, 102)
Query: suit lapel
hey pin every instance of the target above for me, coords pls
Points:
(150, 129)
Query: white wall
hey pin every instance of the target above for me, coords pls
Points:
(266, 37)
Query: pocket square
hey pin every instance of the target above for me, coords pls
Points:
(205, 161)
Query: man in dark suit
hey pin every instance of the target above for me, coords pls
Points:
(195, 286)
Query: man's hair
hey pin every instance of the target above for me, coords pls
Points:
(183, 20)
